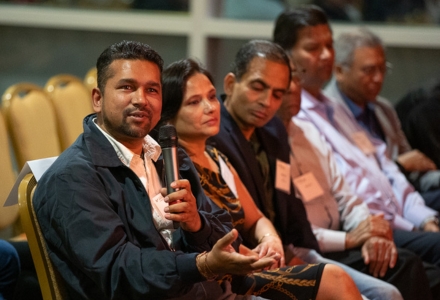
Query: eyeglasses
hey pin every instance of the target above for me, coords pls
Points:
(372, 70)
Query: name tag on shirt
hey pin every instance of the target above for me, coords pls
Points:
(363, 142)
(159, 205)
(282, 176)
(308, 187)
(228, 177)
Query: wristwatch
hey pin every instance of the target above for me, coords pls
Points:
(429, 219)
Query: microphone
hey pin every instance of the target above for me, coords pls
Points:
(168, 143)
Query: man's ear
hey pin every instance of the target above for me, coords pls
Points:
(228, 83)
(339, 72)
(96, 100)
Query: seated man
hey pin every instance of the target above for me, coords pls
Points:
(101, 207)
(305, 33)
(245, 147)
(359, 72)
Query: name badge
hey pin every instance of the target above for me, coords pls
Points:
(308, 187)
(361, 140)
(159, 205)
(282, 176)
(228, 177)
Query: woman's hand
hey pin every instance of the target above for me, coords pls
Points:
(271, 243)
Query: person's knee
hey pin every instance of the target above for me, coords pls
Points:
(10, 263)
(337, 284)
(337, 273)
(9, 269)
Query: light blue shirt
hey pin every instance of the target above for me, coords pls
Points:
(375, 178)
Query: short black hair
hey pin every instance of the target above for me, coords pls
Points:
(257, 48)
(124, 50)
(290, 22)
(174, 79)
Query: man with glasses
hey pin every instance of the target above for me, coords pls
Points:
(359, 73)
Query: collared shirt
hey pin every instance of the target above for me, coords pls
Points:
(375, 178)
(263, 164)
(149, 178)
(365, 117)
(337, 210)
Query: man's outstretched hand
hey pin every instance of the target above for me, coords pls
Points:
(223, 259)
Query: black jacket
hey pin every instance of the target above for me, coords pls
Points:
(96, 218)
(291, 217)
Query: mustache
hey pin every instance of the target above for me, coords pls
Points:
(134, 110)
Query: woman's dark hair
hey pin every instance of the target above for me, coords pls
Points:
(124, 50)
(174, 79)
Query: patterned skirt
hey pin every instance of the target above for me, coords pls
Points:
(293, 282)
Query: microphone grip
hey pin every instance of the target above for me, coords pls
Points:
(171, 171)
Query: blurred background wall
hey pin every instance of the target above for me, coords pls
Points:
(41, 38)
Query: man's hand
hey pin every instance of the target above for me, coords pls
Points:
(380, 254)
(370, 227)
(182, 206)
(223, 259)
(415, 160)
(431, 226)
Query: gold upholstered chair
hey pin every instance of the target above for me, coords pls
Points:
(72, 102)
(50, 280)
(9, 214)
(91, 79)
(31, 122)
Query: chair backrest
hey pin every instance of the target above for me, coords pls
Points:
(31, 123)
(9, 214)
(72, 102)
(91, 79)
(50, 280)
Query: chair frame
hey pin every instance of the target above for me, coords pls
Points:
(49, 279)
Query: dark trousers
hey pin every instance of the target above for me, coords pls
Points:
(9, 269)
(432, 199)
(425, 244)
(28, 286)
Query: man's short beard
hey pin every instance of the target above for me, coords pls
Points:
(125, 129)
